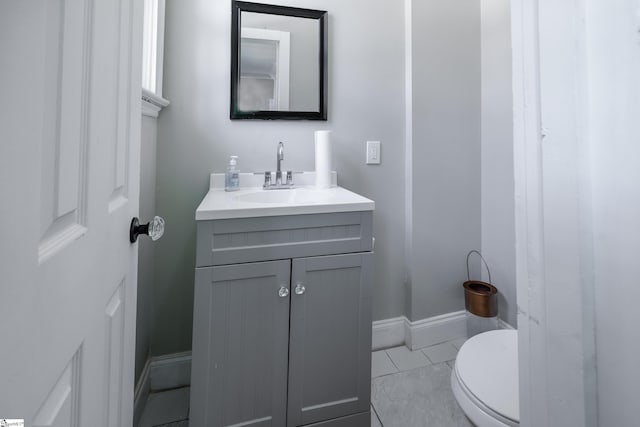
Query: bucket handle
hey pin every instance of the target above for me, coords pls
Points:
(483, 261)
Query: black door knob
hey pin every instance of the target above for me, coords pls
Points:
(153, 229)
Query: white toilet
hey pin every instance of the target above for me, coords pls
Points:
(485, 379)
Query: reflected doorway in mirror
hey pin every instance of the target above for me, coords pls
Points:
(264, 70)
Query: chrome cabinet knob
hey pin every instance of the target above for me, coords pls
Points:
(299, 289)
(283, 292)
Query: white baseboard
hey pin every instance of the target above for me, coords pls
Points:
(421, 333)
(161, 373)
(170, 371)
(388, 333)
(141, 394)
(435, 330)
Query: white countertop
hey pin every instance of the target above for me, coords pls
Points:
(252, 201)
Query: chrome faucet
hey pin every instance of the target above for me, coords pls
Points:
(280, 158)
(269, 184)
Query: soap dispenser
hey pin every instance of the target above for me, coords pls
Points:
(232, 177)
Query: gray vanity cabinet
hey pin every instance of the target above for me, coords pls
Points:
(241, 330)
(330, 338)
(285, 341)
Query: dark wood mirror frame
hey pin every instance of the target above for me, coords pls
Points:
(239, 6)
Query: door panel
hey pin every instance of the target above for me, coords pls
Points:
(64, 165)
(114, 354)
(330, 338)
(240, 345)
(60, 407)
(67, 269)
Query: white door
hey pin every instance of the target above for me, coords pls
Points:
(69, 182)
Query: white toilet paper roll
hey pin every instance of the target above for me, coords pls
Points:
(323, 158)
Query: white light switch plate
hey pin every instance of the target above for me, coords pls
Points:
(373, 152)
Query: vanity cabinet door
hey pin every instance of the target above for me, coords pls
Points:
(330, 338)
(240, 344)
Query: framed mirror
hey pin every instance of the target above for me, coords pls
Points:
(278, 62)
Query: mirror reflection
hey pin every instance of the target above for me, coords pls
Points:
(278, 62)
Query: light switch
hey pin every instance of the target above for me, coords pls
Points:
(373, 152)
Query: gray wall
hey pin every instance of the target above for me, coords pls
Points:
(498, 209)
(445, 161)
(426, 221)
(146, 248)
(195, 137)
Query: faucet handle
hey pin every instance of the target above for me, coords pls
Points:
(267, 180)
(289, 177)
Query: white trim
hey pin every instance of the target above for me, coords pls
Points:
(141, 394)
(152, 104)
(149, 109)
(421, 333)
(161, 373)
(387, 333)
(170, 371)
(435, 330)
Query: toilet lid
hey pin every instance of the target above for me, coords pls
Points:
(487, 364)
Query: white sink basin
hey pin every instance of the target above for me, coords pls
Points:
(252, 201)
(294, 195)
(256, 202)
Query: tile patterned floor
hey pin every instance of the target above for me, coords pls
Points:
(405, 359)
(441, 352)
(415, 390)
(408, 389)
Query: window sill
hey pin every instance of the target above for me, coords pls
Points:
(152, 104)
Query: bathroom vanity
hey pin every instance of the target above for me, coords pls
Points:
(282, 308)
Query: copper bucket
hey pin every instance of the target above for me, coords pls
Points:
(480, 298)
